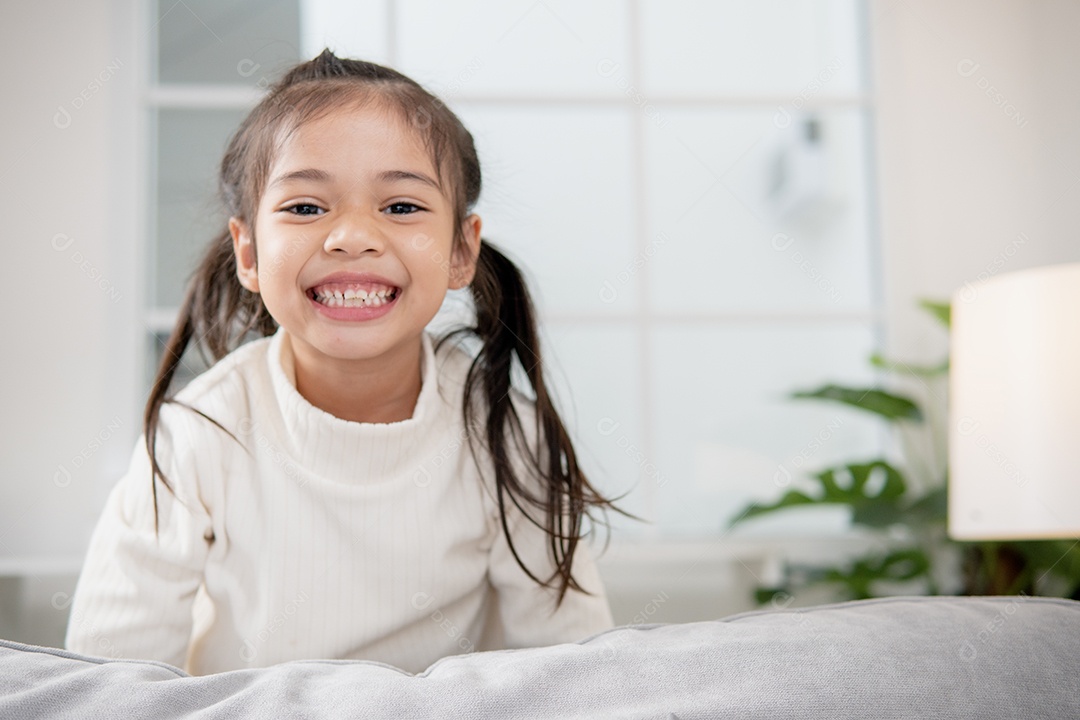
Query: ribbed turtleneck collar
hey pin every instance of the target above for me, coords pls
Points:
(350, 451)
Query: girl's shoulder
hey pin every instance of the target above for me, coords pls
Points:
(197, 428)
(230, 380)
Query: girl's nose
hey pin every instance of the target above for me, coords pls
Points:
(354, 234)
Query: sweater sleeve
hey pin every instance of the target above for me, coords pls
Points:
(135, 593)
(527, 611)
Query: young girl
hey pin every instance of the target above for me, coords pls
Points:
(318, 501)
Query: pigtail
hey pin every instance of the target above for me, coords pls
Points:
(216, 314)
(506, 324)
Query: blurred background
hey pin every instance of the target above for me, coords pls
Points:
(718, 204)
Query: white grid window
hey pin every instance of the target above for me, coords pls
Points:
(686, 184)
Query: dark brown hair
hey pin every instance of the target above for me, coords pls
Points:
(218, 314)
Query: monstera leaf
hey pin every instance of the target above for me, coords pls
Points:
(859, 578)
(888, 405)
(897, 566)
(903, 368)
(941, 311)
(848, 485)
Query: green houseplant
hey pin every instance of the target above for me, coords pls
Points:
(905, 502)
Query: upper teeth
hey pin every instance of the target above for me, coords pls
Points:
(352, 294)
(336, 297)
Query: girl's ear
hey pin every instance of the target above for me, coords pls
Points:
(244, 250)
(463, 266)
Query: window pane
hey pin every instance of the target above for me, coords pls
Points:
(759, 215)
(515, 48)
(190, 146)
(350, 28)
(558, 194)
(203, 41)
(594, 370)
(751, 47)
(727, 432)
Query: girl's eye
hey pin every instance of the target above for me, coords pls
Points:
(303, 209)
(402, 208)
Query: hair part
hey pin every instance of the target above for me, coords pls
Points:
(217, 314)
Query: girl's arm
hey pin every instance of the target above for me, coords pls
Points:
(134, 596)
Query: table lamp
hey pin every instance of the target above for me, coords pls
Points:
(1014, 415)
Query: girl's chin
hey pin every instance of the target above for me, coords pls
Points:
(339, 342)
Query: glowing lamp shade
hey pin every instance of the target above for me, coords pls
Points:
(1014, 415)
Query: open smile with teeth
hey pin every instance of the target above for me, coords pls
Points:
(353, 295)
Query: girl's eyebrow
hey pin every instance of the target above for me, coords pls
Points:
(392, 175)
(317, 175)
(312, 174)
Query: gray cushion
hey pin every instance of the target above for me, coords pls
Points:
(898, 657)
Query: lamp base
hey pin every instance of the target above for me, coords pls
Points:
(992, 568)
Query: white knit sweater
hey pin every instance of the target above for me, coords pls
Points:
(318, 537)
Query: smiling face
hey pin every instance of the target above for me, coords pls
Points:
(354, 238)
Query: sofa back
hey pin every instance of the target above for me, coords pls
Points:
(941, 657)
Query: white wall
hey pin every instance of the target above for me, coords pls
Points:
(973, 184)
(69, 295)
